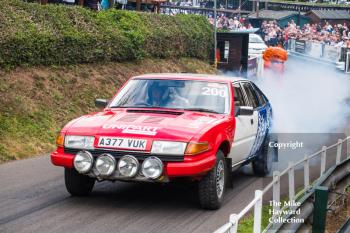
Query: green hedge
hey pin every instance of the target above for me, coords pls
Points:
(32, 34)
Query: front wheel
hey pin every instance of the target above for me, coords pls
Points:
(211, 188)
(78, 184)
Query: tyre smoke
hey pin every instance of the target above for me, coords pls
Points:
(308, 98)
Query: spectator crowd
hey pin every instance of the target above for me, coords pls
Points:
(273, 34)
(335, 35)
(230, 23)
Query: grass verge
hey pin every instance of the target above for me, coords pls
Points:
(37, 102)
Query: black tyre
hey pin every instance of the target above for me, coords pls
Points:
(262, 163)
(78, 184)
(212, 187)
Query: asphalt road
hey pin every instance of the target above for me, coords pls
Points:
(33, 199)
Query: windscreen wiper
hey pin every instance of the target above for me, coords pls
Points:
(118, 106)
(132, 106)
(188, 109)
(201, 110)
(146, 106)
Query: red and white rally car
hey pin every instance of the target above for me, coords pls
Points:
(160, 127)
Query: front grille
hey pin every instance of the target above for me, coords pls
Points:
(118, 154)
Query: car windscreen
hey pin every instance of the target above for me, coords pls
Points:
(255, 39)
(174, 94)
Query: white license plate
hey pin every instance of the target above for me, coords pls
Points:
(122, 143)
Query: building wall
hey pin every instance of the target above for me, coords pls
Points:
(237, 54)
(338, 21)
(299, 20)
(315, 19)
(234, 54)
(282, 22)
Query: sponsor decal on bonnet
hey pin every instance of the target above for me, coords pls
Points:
(133, 129)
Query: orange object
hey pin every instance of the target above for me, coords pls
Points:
(275, 53)
(60, 140)
(274, 58)
(218, 55)
(196, 148)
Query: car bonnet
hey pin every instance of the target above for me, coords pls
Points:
(179, 126)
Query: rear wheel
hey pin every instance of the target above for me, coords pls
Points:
(212, 187)
(262, 164)
(78, 184)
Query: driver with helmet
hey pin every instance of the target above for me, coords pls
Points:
(165, 96)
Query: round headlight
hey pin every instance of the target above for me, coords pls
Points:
(152, 168)
(83, 161)
(128, 166)
(105, 164)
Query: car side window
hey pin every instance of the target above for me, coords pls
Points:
(253, 99)
(260, 95)
(238, 95)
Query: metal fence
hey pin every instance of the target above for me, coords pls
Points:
(232, 225)
(347, 63)
(304, 8)
(173, 10)
(317, 50)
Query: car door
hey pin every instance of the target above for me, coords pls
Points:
(264, 111)
(246, 126)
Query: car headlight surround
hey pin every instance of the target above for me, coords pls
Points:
(152, 167)
(168, 147)
(128, 166)
(79, 142)
(83, 162)
(105, 164)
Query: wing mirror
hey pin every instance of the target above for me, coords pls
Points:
(244, 111)
(101, 103)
